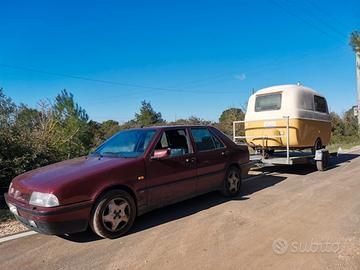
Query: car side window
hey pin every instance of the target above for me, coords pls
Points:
(175, 140)
(204, 140)
(218, 143)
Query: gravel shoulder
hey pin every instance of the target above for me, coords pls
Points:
(8, 225)
(11, 227)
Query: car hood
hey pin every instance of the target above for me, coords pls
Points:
(48, 178)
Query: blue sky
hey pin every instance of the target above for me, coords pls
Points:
(187, 57)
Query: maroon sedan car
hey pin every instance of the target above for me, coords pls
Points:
(131, 173)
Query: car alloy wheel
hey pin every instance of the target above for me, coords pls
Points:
(113, 214)
(232, 182)
(116, 214)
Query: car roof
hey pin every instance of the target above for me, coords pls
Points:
(172, 126)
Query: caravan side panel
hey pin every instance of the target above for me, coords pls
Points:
(302, 132)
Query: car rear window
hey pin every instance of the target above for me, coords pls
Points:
(268, 102)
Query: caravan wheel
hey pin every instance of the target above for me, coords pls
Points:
(317, 146)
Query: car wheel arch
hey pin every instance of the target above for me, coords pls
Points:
(114, 187)
(233, 164)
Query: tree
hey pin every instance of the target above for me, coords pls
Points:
(71, 134)
(350, 123)
(337, 124)
(344, 129)
(147, 116)
(192, 120)
(21, 147)
(7, 110)
(355, 41)
(27, 118)
(65, 107)
(228, 117)
(103, 131)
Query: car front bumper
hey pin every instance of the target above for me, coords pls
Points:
(54, 221)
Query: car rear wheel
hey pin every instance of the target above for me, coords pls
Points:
(113, 214)
(232, 182)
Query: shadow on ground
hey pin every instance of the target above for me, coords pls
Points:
(186, 208)
(304, 169)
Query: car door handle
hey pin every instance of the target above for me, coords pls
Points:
(192, 159)
(225, 153)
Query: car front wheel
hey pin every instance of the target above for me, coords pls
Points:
(232, 182)
(113, 214)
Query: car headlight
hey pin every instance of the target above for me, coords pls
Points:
(43, 199)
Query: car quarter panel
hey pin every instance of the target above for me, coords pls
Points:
(238, 154)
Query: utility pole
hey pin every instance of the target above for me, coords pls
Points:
(358, 86)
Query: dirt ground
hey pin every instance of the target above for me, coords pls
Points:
(289, 218)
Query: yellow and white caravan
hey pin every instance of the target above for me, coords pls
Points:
(284, 113)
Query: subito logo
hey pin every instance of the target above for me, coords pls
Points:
(280, 246)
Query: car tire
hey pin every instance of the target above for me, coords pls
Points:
(232, 182)
(113, 214)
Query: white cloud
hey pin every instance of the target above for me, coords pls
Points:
(240, 77)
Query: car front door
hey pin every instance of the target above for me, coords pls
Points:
(172, 178)
(211, 159)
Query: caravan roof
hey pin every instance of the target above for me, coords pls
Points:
(295, 101)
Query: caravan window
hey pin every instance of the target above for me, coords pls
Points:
(320, 104)
(268, 102)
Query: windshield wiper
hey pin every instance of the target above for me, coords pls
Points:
(112, 154)
(96, 154)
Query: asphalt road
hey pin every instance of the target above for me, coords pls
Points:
(290, 218)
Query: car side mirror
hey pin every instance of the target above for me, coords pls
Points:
(161, 154)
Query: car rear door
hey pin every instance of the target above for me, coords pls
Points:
(173, 178)
(211, 159)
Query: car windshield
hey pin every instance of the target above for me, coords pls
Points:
(130, 143)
